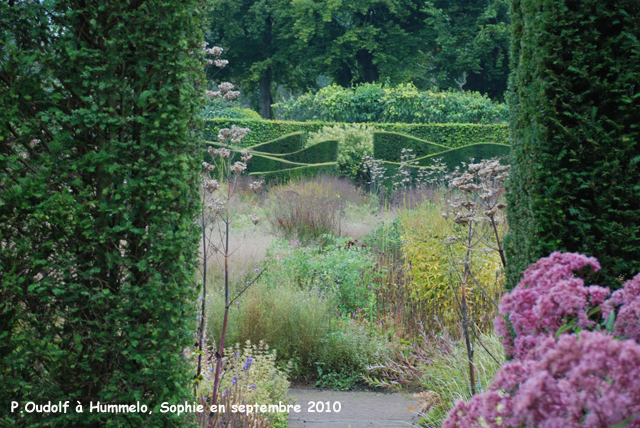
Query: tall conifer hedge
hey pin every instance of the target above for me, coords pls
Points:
(98, 192)
(575, 107)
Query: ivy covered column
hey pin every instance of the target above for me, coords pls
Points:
(575, 121)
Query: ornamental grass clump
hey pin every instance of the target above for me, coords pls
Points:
(306, 211)
(575, 350)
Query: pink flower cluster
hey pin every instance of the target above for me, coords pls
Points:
(589, 379)
(628, 301)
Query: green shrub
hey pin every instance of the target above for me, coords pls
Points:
(452, 158)
(221, 108)
(355, 142)
(478, 152)
(98, 194)
(575, 101)
(278, 311)
(428, 264)
(450, 135)
(347, 269)
(345, 353)
(373, 102)
(386, 238)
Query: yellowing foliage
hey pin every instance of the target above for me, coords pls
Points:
(434, 280)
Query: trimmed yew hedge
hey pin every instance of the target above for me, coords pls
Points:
(282, 145)
(388, 146)
(322, 152)
(477, 152)
(330, 168)
(575, 104)
(450, 135)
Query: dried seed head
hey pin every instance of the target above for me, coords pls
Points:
(211, 185)
(255, 219)
(471, 187)
(256, 185)
(215, 205)
(246, 155)
(221, 63)
(225, 87)
(207, 166)
(491, 212)
(216, 51)
(231, 95)
(223, 153)
(238, 168)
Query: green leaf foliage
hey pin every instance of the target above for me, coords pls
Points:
(450, 135)
(468, 42)
(373, 102)
(575, 103)
(98, 193)
(221, 108)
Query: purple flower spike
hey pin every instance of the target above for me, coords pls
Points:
(248, 363)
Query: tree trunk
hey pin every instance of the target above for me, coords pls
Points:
(265, 94)
(369, 69)
(265, 79)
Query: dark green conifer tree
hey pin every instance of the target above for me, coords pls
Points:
(575, 106)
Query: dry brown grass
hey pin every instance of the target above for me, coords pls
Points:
(249, 246)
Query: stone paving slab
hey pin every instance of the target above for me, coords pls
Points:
(357, 409)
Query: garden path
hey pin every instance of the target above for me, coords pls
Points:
(359, 409)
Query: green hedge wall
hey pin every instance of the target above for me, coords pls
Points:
(450, 135)
(282, 145)
(264, 163)
(575, 104)
(278, 147)
(478, 152)
(330, 168)
(453, 157)
(323, 152)
(388, 146)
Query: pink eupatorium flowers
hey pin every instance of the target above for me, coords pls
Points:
(589, 379)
